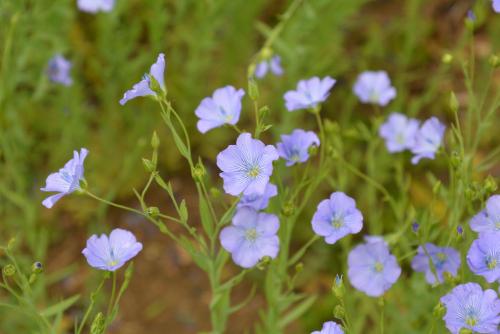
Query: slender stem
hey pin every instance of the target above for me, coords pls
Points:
(90, 307)
(111, 299)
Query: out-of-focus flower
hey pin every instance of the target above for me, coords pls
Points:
(372, 268)
(294, 148)
(259, 201)
(399, 132)
(496, 5)
(330, 327)
(273, 65)
(469, 307)
(487, 220)
(66, 180)
(111, 253)
(251, 237)
(143, 87)
(94, 6)
(309, 93)
(428, 140)
(246, 166)
(58, 70)
(374, 87)
(483, 257)
(223, 107)
(337, 217)
(444, 259)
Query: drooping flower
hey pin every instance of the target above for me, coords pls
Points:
(469, 307)
(483, 257)
(66, 180)
(374, 87)
(111, 253)
(294, 148)
(428, 140)
(399, 132)
(143, 87)
(487, 220)
(444, 259)
(309, 93)
(496, 5)
(337, 217)
(94, 6)
(273, 65)
(259, 201)
(251, 237)
(246, 166)
(372, 268)
(58, 70)
(330, 327)
(222, 108)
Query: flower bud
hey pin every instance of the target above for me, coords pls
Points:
(266, 260)
(288, 209)
(339, 312)
(439, 311)
(9, 270)
(152, 211)
(99, 324)
(415, 227)
(338, 287)
(148, 165)
(453, 103)
(266, 53)
(36, 267)
(447, 58)
(299, 267)
(155, 141)
(455, 159)
(490, 185)
(253, 89)
(494, 61)
(215, 192)
(198, 172)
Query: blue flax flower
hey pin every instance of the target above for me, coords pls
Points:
(487, 220)
(444, 259)
(469, 307)
(259, 201)
(273, 65)
(294, 148)
(66, 180)
(143, 87)
(330, 327)
(58, 70)
(251, 237)
(428, 140)
(111, 253)
(399, 132)
(496, 5)
(483, 257)
(222, 108)
(337, 217)
(372, 268)
(309, 93)
(94, 6)
(246, 166)
(374, 87)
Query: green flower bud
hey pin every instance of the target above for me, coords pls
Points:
(299, 267)
(494, 61)
(198, 172)
(455, 159)
(9, 270)
(339, 312)
(36, 267)
(99, 324)
(266, 260)
(439, 311)
(453, 103)
(338, 287)
(152, 211)
(215, 192)
(266, 53)
(447, 58)
(313, 150)
(155, 140)
(253, 89)
(288, 209)
(490, 185)
(148, 165)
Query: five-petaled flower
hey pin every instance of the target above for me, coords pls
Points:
(222, 108)
(58, 70)
(247, 166)
(294, 148)
(144, 87)
(374, 87)
(330, 327)
(496, 5)
(259, 201)
(337, 217)
(483, 257)
(444, 259)
(309, 93)
(111, 253)
(487, 220)
(94, 6)
(66, 180)
(428, 140)
(399, 132)
(469, 307)
(251, 237)
(273, 65)
(372, 268)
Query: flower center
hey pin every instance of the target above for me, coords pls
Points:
(253, 172)
(379, 266)
(337, 222)
(471, 320)
(497, 225)
(491, 262)
(440, 260)
(112, 263)
(251, 234)
(400, 138)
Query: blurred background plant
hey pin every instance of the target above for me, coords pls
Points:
(429, 48)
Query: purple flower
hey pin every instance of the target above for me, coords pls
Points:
(58, 70)
(337, 217)
(246, 166)
(496, 5)
(259, 201)
(399, 132)
(66, 180)
(428, 140)
(444, 259)
(330, 327)
(94, 6)
(372, 268)
(222, 108)
(374, 87)
(483, 257)
(294, 148)
(487, 220)
(143, 87)
(111, 253)
(273, 64)
(251, 236)
(469, 307)
(309, 93)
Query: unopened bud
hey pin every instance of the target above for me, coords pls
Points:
(155, 140)
(99, 324)
(152, 211)
(198, 172)
(415, 227)
(299, 267)
(494, 61)
(253, 89)
(439, 311)
(36, 267)
(453, 102)
(447, 58)
(455, 159)
(490, 185)
(338, 287)
(9, 270)
(288, 209)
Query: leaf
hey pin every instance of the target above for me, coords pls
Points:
(59, 307)
(183, 211)
(206, 218)
(297, 311)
